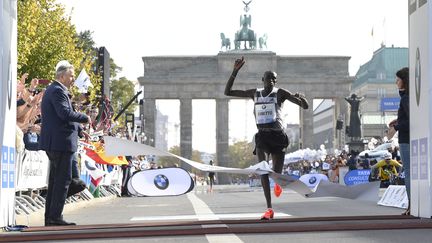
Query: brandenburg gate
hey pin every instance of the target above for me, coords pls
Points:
(204, 77)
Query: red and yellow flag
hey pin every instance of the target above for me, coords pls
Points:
(99, 156)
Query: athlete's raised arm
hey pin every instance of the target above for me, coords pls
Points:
(238, 64)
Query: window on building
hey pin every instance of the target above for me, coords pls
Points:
(381, 92)
(381, 76)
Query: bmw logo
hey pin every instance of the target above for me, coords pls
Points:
(312, 180)
(161, 182)
(263, 106)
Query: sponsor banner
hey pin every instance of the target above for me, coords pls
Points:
(8, 60)
(312, 180)
(11, 169)
(32, 171)
(390, 104)
(160, 182)
(394, 196)
(420, 95)
(414, 160)
(355, 177)
(4, 167)
(326, 166)
(423, 152)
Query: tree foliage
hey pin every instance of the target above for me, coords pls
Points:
(46, 36)
(122, 91)
(167, 161)
(171, 161)
(241, 154)
(88, 46)
(114, 69)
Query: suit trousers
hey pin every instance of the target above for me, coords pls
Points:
(75, 171)
(60, 176)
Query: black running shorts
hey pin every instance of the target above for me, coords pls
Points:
(271, 141)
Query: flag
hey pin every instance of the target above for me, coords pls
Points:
(99, 156)
(94, 186)
(92, 169)
(96, 175)
(83, 82)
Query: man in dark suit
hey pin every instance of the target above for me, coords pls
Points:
(59, 138)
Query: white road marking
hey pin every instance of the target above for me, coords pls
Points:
(203, 212)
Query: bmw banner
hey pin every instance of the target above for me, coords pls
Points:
(312, 180)
(8, 60)
(420, 94)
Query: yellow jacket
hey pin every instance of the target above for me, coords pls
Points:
(381, 172)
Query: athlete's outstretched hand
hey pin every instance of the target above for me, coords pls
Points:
(239, 64)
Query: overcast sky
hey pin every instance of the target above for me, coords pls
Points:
(131, 29)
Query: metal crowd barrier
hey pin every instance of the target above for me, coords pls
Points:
(32, 170)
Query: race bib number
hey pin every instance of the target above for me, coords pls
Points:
(265, 113)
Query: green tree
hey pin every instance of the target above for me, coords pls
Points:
(167, 161)
(241, 154)
(46, 36)
(122, 91)
(87, 44)
(114, 69)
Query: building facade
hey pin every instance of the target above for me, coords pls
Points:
(324, 125)
(375, 81)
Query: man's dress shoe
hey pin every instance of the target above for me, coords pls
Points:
(57, 222)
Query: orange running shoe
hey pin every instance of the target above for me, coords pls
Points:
(277, 190)
(269, 214)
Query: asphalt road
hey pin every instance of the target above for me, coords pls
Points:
(236, 202)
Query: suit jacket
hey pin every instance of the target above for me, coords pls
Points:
(60, 123)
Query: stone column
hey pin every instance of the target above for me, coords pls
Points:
(306, 125)
(186, 130)
(149, 113)
(222, 135)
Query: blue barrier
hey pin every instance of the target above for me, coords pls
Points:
(354, 177)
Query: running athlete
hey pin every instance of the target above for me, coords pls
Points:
(271, 140)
